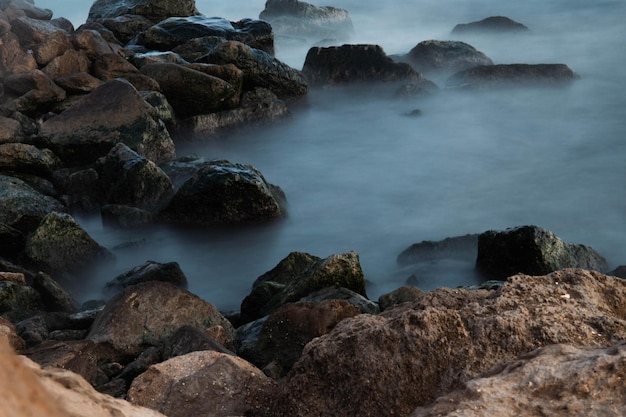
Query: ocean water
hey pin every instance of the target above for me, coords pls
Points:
(359, 174)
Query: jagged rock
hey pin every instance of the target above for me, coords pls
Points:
(357, 63)
(225, 193)
(446, 56)
(531, 250)
(153, 10)
(297, 18)
(554, 380)
(150, 271)
(28, 158)
(502, 75)
(230, 386)
(60, 244)
(147, 314)
(114, 112)
(34, 33)
(298, 275)
(130, 179)
(409, 355)
(361, 302)
(493, 24)
(398, 296)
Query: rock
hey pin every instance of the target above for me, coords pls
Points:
(78, 83)
(153, 10)
(82, 188)
(13, 59)
(23, 208)
(28, 9)
(558, 379)
(15, 277)
(125, 27)
(114, 112)
(109, 66)
(339, 293)
(531, 250)
(463, 248)
(33, 33)
(298, 275)
(34, 90)
(192, 92)
(12, 242)
(298, 18)
(18, 297)
(401, 295)
(130, 179)
(66, 64)
(225, 193)
(60, 244)
(445, 56)
(502, 75)
(357, 63)
(409, 355)
(53, 297)
(150, 271)
(125, 217)
(620, 271)
(33, 330)
(10, 130)
(92, 44)
(191, 339)
(202, 383)
(147, 314)
(493, 24)
(9, 336)
(28, 158)
(169, 33)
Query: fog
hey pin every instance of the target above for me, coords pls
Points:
(359, 174)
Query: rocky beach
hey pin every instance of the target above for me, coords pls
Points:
(100, 122)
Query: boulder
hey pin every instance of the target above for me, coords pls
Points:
(33, 33)
(92, 44)
(169, 33)
(23, 208)
(463, 248)
(114, 112)
(557, 379)
(192, 92)
(445, 56)
(109, 66)
(9, 336)
(150, 271)
(15, 296)
(408, 356)
(125, 27)
(153, 10)
(125, 217)
(191, 339)
(35, 92)
(82, 189)
(53, 296)
(202, 383)
(130, 179)
(13, 59)
(299, 275)
(357, 63)
(78, 82)
(362, 303)
(531, 250)
(22, 157)
(298, 18)
(60, 244)
(28, 9)
(148, 314)
(493, 24)
(520, 75)
(398, 296)
(225, 193)
(68, 63)
(10, 130)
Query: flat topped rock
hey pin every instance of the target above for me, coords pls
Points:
(520, 75)
(493, 24)
(154, 10)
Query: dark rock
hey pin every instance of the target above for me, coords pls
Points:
(150, 271)
(191, 339)
(78, 83)
(493, 24)
(153, 10)
(445, 56)
(297, 18)
(109, 66)
(92, 44)
(461, 247)
(29, 9)
(27, 158)
(339, 293)
(34, 32)
(53, 297)
(125, 27)
(12, 241)
(35, 92)
(125, 217)
(68, 334)
(16, 296)
(502, 75)
(224, 193)
(83, 189)
(531, 250)
(401, 295)
(10, 130)
(620, 271)
(148, 357)
(159, 102)
(114, 112)
(33, 330)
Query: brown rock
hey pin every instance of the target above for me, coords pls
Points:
(70, 62)
(55, 44)
(203, 383)
(8, 335)
(78, 83)
(34, 90)
(13, 59)
(409, 355)
(399, 296)
(110, 66)
(92, 44)
(10, 129)
(28, 159)
(34, 32)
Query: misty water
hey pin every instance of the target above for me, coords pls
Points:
(359, 174)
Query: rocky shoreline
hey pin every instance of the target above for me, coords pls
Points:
(89, 122)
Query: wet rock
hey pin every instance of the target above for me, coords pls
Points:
(357, 63)
(53, 296)
(68, 63)
(82, 189)
(463, 248)
(558, 379)
(531, 250)
(147, 314)
(154, 10)
(502, 75)
(230, 386)
(192, 92)
(92, 44)
(115, 112)
(410, 355)
(298, 275)
(35, 92)
(362, 303)
(398, 296)
(225, 193)
(445, 56)
(28, 158)
(125, 27)
(60, 244)
(130, 179)
(298, 18)
(150, 271)
(23, 208)
(493, 24)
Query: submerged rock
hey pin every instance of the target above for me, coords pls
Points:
(503, 75)
(445, 56)
(493, 24)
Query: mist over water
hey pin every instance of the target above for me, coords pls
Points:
(359, 174)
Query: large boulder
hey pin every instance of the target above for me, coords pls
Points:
(203, 383)
(557, 379)
(445, 56)
(492, 24)
(299, 275)
(13, 58)
(34, 92)
(411, 354)
(22, 157)
(149, 313)
(298, 18)
(531, 250)
(503, 75)
(225, 193)
(357, 63)
(114, 112)
(150, 271)
(153, 10)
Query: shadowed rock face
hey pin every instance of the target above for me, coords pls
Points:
(493, 24)
(154, 10)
